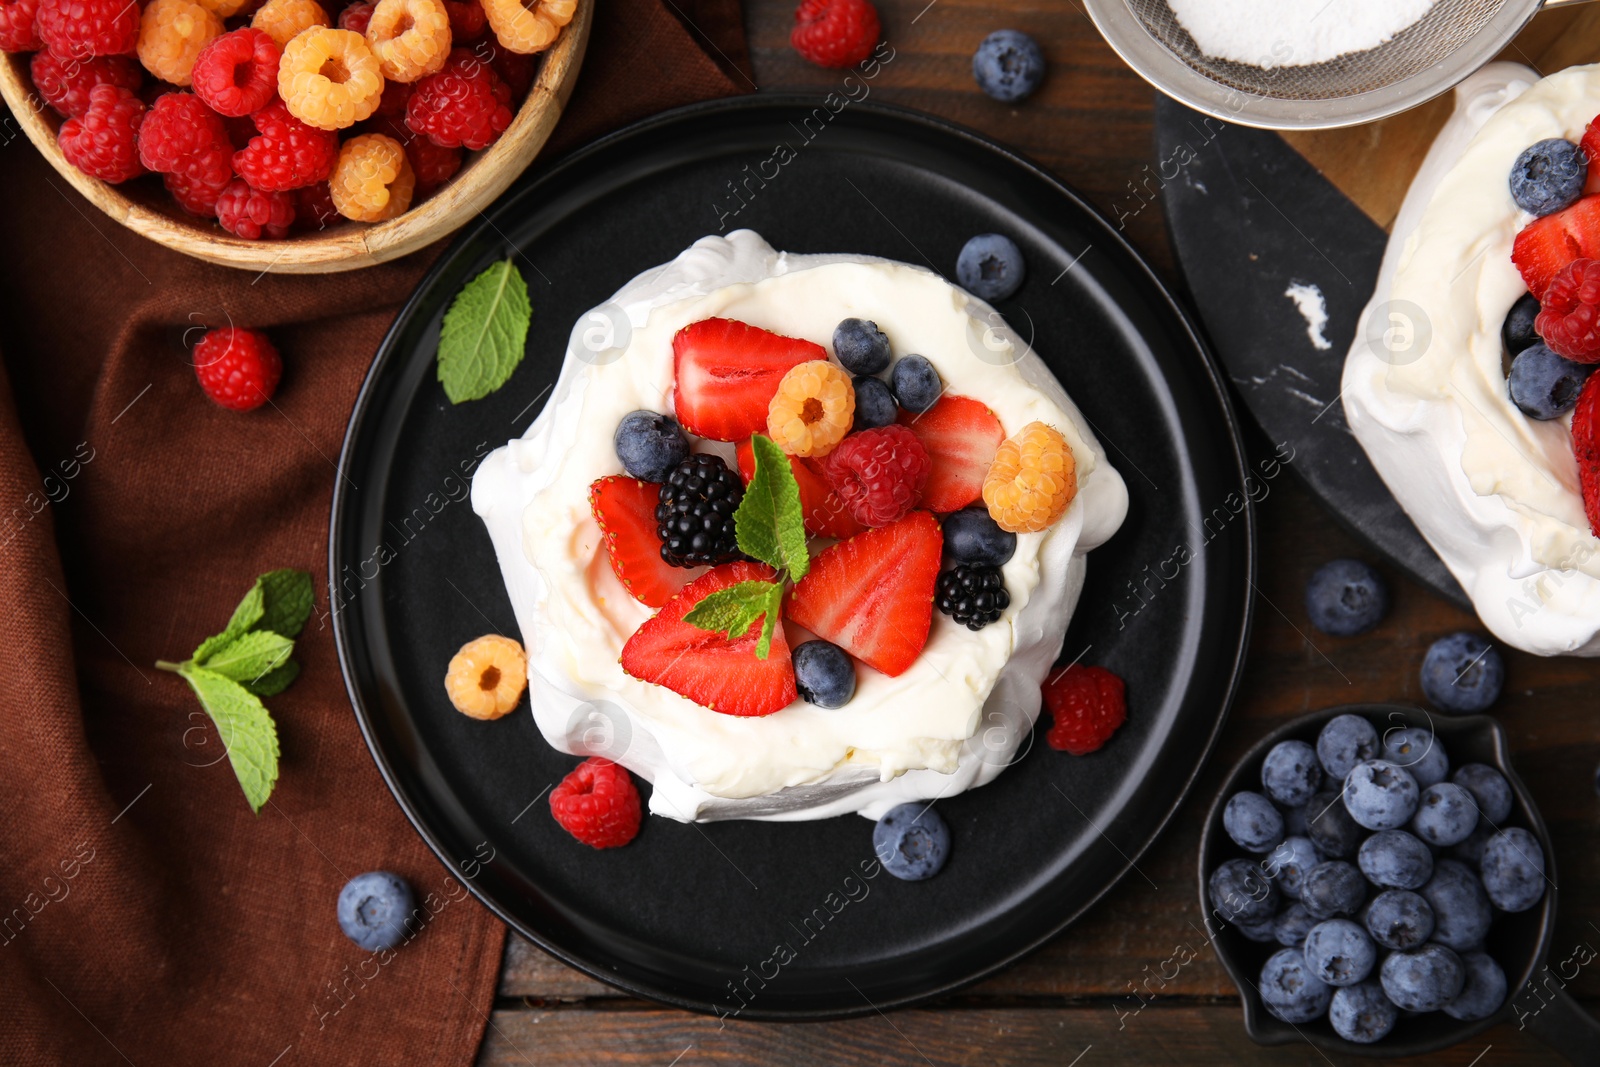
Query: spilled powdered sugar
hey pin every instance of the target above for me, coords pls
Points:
(1293, 33)
(1308, 300)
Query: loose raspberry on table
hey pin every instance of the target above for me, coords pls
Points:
(355, 18)
(253, 214)
(180, 135)
(1569, 314)
(432, 164)
(812, 409)
(486, 677)
(879, 473)
(103, 141)
(287, 153)
(465, 105)
(1088, 704)
(315, 210)
(284, 20)
(195, 197)
(467, 20)
(237, 368)
(172, 34)
(598, 804)
(329, 78)
(78, 29)
(835, 33)
(19, 30)
(1033, 478)
(528, 26)
(65, 84)
(411, 38)
(373, 180)
(238, 72)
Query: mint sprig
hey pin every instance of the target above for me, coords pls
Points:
(231, 671)
(485, 333)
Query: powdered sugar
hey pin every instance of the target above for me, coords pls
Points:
(1313, 308)
(1293, 33)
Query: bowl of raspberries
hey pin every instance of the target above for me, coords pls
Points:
(290, 135)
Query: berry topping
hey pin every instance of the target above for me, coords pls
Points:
(1008, 66)
(962, 437)
(1087, 705)
(879, 474)
(486, 677)
(237, 73)
(861, 347)
(1569, 319)
(237, 368)
(172, 34)
(103, 141)
(65, 84)
(704, 665)
(1544, 385)
(1548, 244)
(915, 383)
(625, 508)
(180, 135)
(78, 29)
(598, 804)
(824, 674)
(464, 105)
(329, 78)
(1590, 143)
(990, 266)
(1518, 331)
(650, 445)
(873, 594)
(528, 26)
(1346, 597)
(373, 909)
(372, 179)
(726, 373)
(1548, 176)
(694, 519)
(284, 20)
(911, 841)
(1462, 673)
(19, 29)
(411, 38)
(1032, 480)
(812, 409)
(825, 513)
(875, 404)
(971, 595)
(1253, 823)
(972, 536)
(835, 33)
(1586, 446)
(253, 214)
(286, 154)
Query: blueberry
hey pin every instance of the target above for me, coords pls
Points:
(911, 841)
(1292, 925)
(1517, 332)
(1393, 859)
(823, 674)
(1482, 993)
(1380, 795)
(1264, 931)
(1008, 66)
(373, 909)
(915, 383)
(1252, 822)
(1331, 828)
(875, 404)
(1289, 990)
(1544, 385)
(1345, 741)
(972, 536)
(990, 266)
(1288, 864)
(1346, 597)
(1241, 893)
(1339, 952)
(861, 347)
(1489, 789)
(1297, 820)
(1423, 979)
(1419, 752)
(1361, 1013)
(1333, 888)
(1399, 919)
(1446, 814)
(1548, 176)
(1470, 851)
(650, 445)
(1291, 774)
(1461, 912)
(1513, 869)
(1462, 673)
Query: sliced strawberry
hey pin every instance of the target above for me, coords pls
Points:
(825, 513)
(1591, 150)
(1546, 245)
(727, 372)
(704, 665)
(873, 594)
(961, 435)
(625, 508)
(1586, 445)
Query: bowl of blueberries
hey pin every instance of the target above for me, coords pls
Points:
(1376, 880)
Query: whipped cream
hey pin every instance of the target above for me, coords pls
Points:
(1494, 492)
(952, 721)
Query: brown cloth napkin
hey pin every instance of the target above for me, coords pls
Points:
(146, 916)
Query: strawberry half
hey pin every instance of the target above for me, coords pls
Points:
(705, 666)
(1591, 150)
(727, 372)
(873, 594)
(625, 508)
(1586, 446)
(961, 435)
(1547, 245)
(825, 513)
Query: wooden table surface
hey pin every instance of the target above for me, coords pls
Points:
(1070, 1003)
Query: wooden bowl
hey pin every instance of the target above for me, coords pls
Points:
(145, 207)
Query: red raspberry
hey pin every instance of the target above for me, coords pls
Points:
(878, 473)
(467, 20)
(65, 84)
(393, 101)
(1087, 704)
(516, 70)
(19, 30)
(237, 368)
(315, 210)
(103, 141)
(253, 214)
(1586, 447)
(237, 73)
(1569, 316)
(432, 164)
(355, 17)
(835, 33)
(287, 154)
(465, 105)
(598, 804)
(195, 197)
(181, 135)
(78, 29)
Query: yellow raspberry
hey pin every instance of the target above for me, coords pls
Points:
(329, 78)
(486, 678)
(284, 20)
(224, 9)
(171, 35)
(528, 26)
(812, 409)
(372, 179)
(1032, 480)
(411, 38)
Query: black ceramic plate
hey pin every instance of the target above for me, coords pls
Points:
(689, 914)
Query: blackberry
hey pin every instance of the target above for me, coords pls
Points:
(695, 517)
(973, 596)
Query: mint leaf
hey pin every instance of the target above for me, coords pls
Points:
(769, 623)
(246, 615)
(246, 730)
(484, 334)
(769, 523)
(274, 681)
(249, 656)
(287, 596)
(735, 609)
